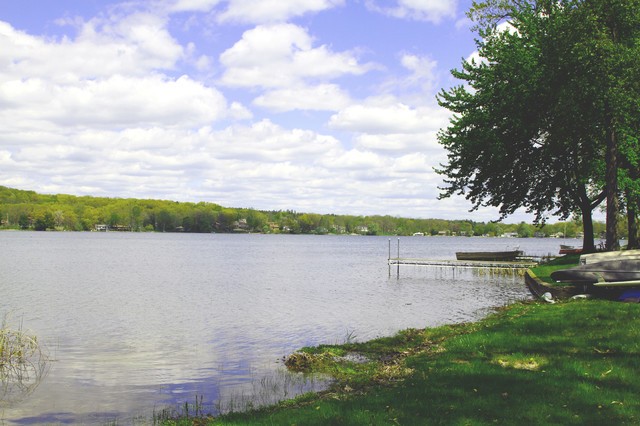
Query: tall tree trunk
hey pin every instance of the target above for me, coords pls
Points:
(611, 177)
(632, 220)
(586, 206)
(633, 205)
(587, 229)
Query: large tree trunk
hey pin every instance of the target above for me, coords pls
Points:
(586, 206)
(612, 240)
(587, 228)
(632, 220)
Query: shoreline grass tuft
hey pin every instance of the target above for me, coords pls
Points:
(23, 363)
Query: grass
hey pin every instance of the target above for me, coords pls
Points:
(570, 363)
(544, 271)
(23, 363)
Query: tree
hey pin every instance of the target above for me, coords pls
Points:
(535, 118)
(525, 230)
(308, 222)
(44, 221)
(23, 221)
(165, 221)
(256, 219)
(58, 217)
(136, 218)
(611, 59)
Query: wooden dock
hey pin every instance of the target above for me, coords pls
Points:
(520, 264)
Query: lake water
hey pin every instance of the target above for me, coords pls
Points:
(138, 322)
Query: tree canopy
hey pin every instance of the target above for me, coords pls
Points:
(546, 109)
(30, 210)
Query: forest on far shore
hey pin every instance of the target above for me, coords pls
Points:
(29, 210)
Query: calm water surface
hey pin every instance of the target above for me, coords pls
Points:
(135, 323)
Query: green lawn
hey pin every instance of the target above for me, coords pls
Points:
(568, 363)
(544, 271)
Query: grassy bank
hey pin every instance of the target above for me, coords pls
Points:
(531, 363)
(544, 271)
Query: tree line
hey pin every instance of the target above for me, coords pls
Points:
(29, 210)
(547, 116)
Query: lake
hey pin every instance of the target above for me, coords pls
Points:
(135, 323)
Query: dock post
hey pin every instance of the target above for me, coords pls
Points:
(398, 258)
(389, 258)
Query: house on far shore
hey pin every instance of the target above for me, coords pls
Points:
(273, 227)
(104, 228)
(362, 229)
(240, 226)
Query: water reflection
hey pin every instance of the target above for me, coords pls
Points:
(212, 397)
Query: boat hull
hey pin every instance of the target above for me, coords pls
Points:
(571, 251)
(610, 255)
(600, 272)
(489, 256)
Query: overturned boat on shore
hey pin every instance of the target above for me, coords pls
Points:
(613, 273)
(617, 279)
(609, 255)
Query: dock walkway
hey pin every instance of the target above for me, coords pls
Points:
(520, 264)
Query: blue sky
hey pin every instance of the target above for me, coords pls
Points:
(323, 106)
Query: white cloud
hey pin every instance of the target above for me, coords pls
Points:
(192, 5)
(464, 23)
(135, 45)
(266, 141)
(266, 11)
(420, 10)
(386, 116)
(282, 55)
(324, 97)
(422, 78)
(109, 75)
(414, 163)
(237, 111)
(356, 160)
(116, 101)
(423, 71)
(393, 143)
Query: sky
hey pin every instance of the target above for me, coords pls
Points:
(323, 106)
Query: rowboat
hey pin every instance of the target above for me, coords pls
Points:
(494, 256)
(570, 249)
